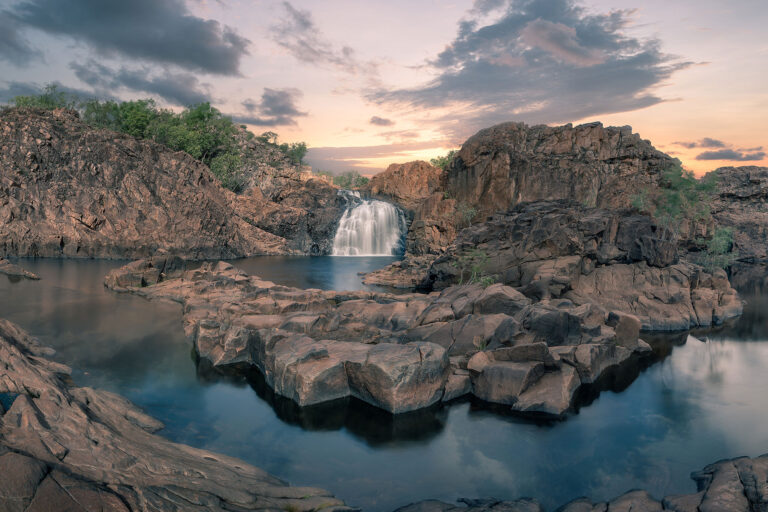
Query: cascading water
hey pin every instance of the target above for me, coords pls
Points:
(369, 228)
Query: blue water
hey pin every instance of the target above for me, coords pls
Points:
(704, 401)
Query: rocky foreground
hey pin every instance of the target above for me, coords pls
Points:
(78, 449)
(406, 352)
(64, 447)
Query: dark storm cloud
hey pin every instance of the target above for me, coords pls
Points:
(298, 33)
(176, 88)
(14, 47)
(157, 31)
(731, 154)
(278, 107)
(539, 61)
(380, 121)
(706, 142)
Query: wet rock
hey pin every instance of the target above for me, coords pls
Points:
(396, 352)
(15, 271)
(80, 449)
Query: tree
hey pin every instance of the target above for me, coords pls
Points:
(350, 180)
(445, 160)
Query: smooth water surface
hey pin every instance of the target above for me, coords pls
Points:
(704, 402)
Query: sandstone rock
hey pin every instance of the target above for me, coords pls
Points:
(392, 351)
(79, 449)
(557, 249)
(407, 184)
(742, 204)
(511, 163)
(15, 271)
(85, 193)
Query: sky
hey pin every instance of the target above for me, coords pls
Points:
(370, 83)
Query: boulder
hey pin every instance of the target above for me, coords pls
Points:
(15, 271)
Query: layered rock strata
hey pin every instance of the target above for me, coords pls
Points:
(64, 447)
(397, 352)
(614, 259)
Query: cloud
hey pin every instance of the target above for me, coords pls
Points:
(380, 121)
(731, 154)
(340, 159)
(162, 32)
(539, 61)
(298, 33)
(176, 88)
(706, 142)
(14, 48)
(399, 135)
(15, 88)
(277, 107)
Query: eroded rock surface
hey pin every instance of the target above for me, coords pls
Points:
(397, 352)
(737, 485)
(511, 163)
(78, 449)
(67, 190)
(560, 249)
(742, 204)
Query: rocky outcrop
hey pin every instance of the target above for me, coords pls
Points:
(68, 448)
(560, 249)
(736, 485)
(15, 271)
(67, 190)
(407, 185)
(742, 205)
(305, 212)
(397, 352)
(511, 163)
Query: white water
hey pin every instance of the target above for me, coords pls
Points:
(369, 228)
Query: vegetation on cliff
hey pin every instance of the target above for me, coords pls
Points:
(347, 180)
(200, 130)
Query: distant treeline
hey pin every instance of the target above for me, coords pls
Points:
(199, 130)
(347, 180)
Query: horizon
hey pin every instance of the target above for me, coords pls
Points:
(363, 99)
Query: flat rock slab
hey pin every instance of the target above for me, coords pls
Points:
(397, 352)
(80, 449)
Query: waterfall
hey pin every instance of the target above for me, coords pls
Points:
(369, 228)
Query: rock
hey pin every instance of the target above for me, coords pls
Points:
(88, 193)
(416, 349)
(146, 272)
(403, 274)
(559, 249)
(407, 184)
(511, 163)
(80, 449)
(742, 205)
(15, 271)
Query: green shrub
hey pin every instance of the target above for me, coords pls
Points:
(445, 160)
(466, 214)
(49, 99)
(471, 265)
(719, 251)
(350, 180)
(679, 197)
(200, 130)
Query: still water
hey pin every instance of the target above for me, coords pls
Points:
(705, 400)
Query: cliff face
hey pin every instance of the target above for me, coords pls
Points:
(742, 204)
(68, 190)
(511, 163)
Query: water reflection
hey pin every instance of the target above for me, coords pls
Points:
(701, 401)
